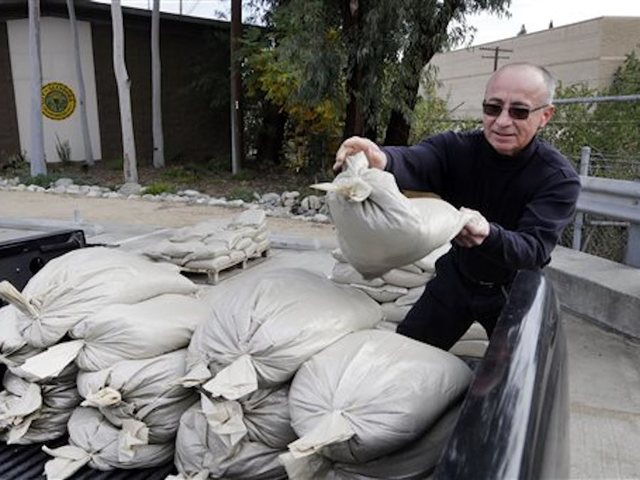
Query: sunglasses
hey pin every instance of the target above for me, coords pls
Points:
(517, 113)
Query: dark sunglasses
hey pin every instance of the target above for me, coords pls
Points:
(517, 113)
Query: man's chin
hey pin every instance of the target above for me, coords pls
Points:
(503, 148)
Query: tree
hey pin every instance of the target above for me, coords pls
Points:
(129, 164)
(84, 123)
(156, 88)
(430, 27)
(37, 158)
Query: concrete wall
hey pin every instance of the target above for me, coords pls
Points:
(586, 52)
(9, 136)
(58, 65)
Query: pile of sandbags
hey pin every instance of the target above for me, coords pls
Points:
(109, 329)
(380, 229)
(244, 357)
(396, 290)
(215, 245)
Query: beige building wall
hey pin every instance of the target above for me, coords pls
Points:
(586, 52)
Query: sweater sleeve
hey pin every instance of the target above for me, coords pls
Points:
(420, 167)
(529, 246)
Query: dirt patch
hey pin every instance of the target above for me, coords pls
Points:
(30, 205)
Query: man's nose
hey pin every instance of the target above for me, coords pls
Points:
(504, 118)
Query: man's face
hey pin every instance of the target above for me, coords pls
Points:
(515, 87)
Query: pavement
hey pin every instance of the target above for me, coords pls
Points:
(600, 310)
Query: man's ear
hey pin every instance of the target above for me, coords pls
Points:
(547, 113)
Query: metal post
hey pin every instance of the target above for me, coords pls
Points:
(578, 223)
(632, 255)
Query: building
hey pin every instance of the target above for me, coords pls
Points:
(193, 130)
(586, 52)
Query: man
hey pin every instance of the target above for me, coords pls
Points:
(524, 190)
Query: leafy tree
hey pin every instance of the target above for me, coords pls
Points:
(609, 128)
(330, 62)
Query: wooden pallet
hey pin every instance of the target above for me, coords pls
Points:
(213, 276)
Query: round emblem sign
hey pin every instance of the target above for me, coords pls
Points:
(58, 101)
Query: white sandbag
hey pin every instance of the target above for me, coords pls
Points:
(385, 293)
(79, 283)
(181, 252)
(393, 312)
(200, 451)
(14, 349)
(411, 297)
(254, 218)
(32, 412)
(337, 407)
(261, 416)
(145, 391)
(367, 208)
(428, 263)
(404, 278)
(94, 441)
(414, 461)
(124, 332)
(199, 231)
(264, 329)
(344, 273)
(473, 343)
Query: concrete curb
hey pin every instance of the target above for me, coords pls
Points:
(600, 290)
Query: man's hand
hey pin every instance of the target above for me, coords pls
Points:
(475, 230)
(353, 145)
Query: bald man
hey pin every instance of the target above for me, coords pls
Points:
(523, 188)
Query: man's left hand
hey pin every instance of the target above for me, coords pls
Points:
(474, 232)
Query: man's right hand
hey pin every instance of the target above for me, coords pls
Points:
(353, 145)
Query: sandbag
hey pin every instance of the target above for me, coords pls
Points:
(371, 393)
(14, 349)
(82, 282)
(367, 208)
(200, 451)
(33, 412)
(414, 461)
(263, 330)
(261, 416)
(124, 332)
(145, 391)
(94, 441)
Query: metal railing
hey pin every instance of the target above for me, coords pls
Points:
(609, 199)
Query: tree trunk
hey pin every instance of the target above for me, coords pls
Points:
(124, 94)
(270, 138)
(36, 156)
(420, 51)
(158, 135)
(86, 138)
(237, 124)
(354, 122)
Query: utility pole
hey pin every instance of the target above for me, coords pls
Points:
(496, 55)
(237, 149)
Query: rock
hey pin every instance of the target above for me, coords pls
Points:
(130, 188)
(63, 182)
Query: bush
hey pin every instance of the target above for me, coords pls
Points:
(159, 188)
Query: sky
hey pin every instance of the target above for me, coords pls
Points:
(535, 15)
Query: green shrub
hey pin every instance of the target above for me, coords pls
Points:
(241, 193)
(44, 181)
(159, 188)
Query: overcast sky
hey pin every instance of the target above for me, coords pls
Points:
(535, 15)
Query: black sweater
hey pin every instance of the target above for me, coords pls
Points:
(527, 199)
